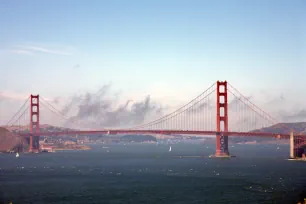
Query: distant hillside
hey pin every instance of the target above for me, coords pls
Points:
(299, 127)
(138, 138)
(43, 128)
(282, 128)
(11, 142)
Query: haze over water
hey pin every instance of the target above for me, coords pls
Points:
(148, 173)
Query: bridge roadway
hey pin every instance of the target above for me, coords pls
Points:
(165, 132)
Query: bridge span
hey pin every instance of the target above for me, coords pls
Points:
(204, 115)
(163, 132)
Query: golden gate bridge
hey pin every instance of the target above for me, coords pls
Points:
(221, 111)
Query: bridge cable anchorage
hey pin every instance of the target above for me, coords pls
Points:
(56, 111)
(179, 111)
(259, 111)
(20, 109)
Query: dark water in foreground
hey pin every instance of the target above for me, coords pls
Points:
(150, 174)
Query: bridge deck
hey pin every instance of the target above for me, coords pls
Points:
(165, 132)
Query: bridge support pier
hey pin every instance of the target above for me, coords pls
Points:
(292, 156)
(222, 120)
(34, 124)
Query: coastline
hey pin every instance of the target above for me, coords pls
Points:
(297, 159)
(72, 147)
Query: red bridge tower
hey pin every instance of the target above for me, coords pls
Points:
(34, 124)
(222, 120)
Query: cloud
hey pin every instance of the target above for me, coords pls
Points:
(77, 66)
(272, 100)
(5, 95)
(282, 97)
(14, 96)
(56, 100)
(101, 109)
(201, 107)
(2, 98)
(73, 101)
(293, 116)
(233, 104)
(44, 50)
(22, 52)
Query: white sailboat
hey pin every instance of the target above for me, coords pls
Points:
(170, 149)
(17, 154)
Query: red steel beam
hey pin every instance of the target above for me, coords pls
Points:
(165, 132)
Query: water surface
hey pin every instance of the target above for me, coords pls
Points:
(149, 173)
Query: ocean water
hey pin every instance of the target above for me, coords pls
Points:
(149, 173)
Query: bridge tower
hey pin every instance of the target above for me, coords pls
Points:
(34, 123)
(222, 120)
(292, 155)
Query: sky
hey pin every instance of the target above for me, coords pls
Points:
(170, 50)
